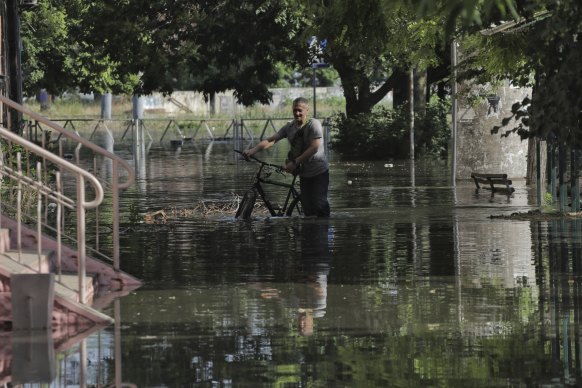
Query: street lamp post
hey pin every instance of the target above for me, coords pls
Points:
(316, 48)
(314, 92)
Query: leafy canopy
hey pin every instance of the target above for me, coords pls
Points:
(541, 49)
(371, 43)
(142, 46)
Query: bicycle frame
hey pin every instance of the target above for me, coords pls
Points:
(292, 193)
(262, 177)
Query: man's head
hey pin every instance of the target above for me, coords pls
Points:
(300, 110)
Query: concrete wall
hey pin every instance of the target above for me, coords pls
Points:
(477, 149)
(181, 102)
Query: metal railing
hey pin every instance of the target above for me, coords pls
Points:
(45, 183)
(174, 130)
(168, 129)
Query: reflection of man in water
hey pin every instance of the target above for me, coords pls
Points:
(310, 293)
(307, 293)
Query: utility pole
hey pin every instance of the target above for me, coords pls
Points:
(316, 48)
(454, 110)
(314, 92)
(411, 111)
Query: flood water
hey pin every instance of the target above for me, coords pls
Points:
(410, 283)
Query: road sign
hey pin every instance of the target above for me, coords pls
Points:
(315, 48)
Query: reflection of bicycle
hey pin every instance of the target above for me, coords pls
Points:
(292, 201)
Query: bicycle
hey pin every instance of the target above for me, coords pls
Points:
(262, 176)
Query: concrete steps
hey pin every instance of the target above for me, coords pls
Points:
(69, 314)
(108, 277)
(27, 261)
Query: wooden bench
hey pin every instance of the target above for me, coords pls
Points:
(497, 183)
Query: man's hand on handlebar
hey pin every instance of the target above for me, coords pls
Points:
(290, 166)
(247, 154)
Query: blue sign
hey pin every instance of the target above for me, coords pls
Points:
(315, 48)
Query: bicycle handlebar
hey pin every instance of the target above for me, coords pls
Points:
(260, 161)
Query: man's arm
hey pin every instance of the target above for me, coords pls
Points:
(262, 145)
(308, 153)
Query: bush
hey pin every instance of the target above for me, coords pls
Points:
(368, 135)
(384, 133)
(433, 129)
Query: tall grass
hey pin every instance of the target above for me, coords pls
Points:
(76, 108)
(122, 109)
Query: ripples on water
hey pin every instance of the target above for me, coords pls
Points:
(409, 283)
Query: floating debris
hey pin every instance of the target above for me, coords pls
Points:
(538, 215)
(203, 208)
(157, 217)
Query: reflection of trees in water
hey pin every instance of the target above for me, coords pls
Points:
(386, 318)
(559, 273)
(303, 289)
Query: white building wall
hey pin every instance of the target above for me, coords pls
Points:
(478, 150)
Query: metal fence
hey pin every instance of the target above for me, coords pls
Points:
(169, 130)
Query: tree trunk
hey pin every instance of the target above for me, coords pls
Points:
(353, 106)
(358, 90)
(400, 89)
(440, 75)
(532, 161)
(212, 101)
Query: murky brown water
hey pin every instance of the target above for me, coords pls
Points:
(409, 283)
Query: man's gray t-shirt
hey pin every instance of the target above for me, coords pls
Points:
(317, 164)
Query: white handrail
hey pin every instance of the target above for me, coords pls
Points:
(117, 161)
(82, 204)
(82, 178)
(73, 136)
(99, 194)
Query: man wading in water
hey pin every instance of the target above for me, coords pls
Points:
(306, 158)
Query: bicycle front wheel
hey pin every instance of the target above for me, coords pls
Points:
(295, 207)
(247, 204)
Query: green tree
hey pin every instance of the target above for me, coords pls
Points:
(241, 43)
(536, 43)
(539, 49)
(555, 65)
(59, 54)
(467, 12)
(372, 45)
(143, 46)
